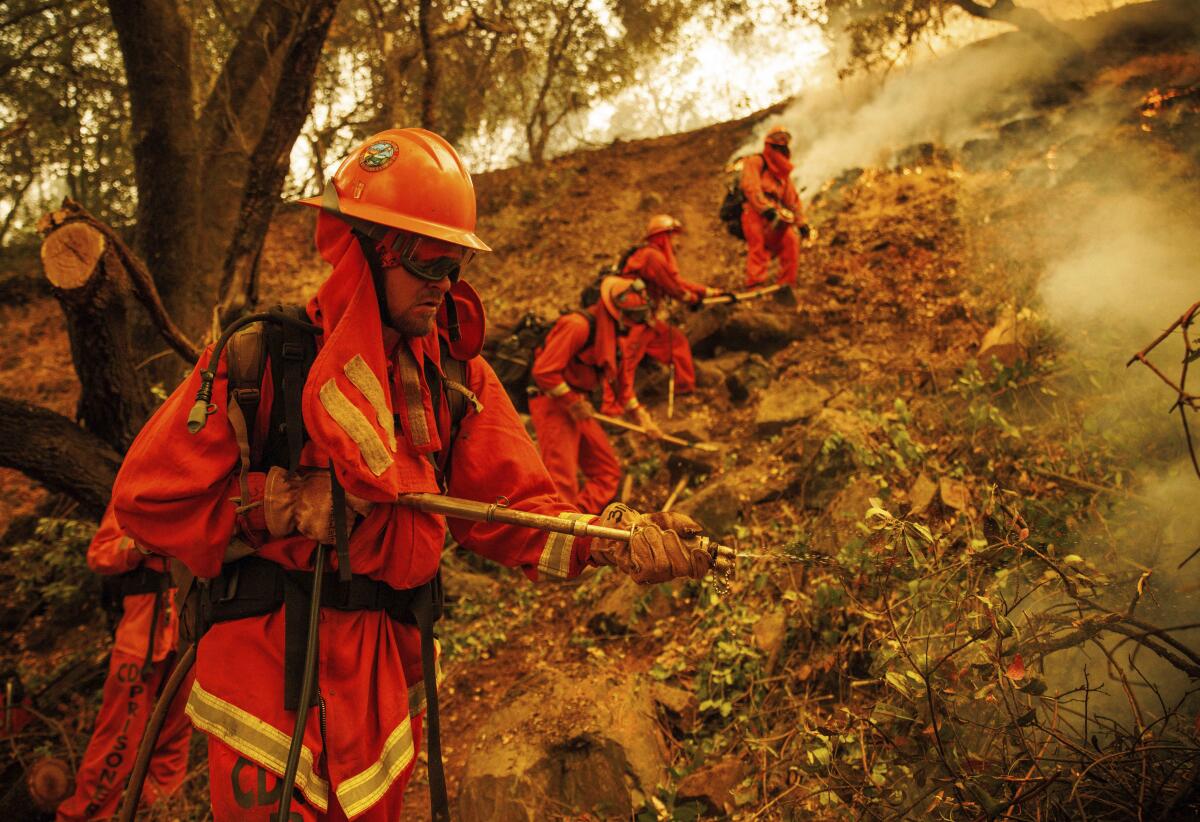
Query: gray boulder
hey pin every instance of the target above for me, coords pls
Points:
(567, 741)
(784, 404)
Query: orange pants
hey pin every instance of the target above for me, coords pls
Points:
(570, 447)
(108, 760)
(763, 243)
(666, 344)
(243, 791)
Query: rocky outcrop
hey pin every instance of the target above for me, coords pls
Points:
(842, 515)
(564, 742)
(763, 326)
(713, 786)
(720, 503)
(785, 404)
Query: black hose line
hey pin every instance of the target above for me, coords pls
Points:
(307, 685)
(203, 405)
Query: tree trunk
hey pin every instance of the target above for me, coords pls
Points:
(198, 176)
(96, 295)
(265, 179)
(59, 454)
(156, 44)
(429, 53)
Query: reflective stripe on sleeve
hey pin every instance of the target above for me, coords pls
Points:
(555, 561)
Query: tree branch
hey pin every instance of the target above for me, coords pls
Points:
(56, 452)
(272, 25)
(1030, 21)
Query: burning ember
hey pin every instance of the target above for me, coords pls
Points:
(1158, 101)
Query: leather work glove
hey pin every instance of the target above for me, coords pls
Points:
(805, 231)
(581, 411)
(770, 215)
(303, 504)
(643, 418)
(664, 546)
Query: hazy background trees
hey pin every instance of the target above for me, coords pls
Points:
(182, 124)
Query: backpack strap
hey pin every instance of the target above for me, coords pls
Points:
(451, 383)
(245, 361)
(298, 352)
(625, 255)
(591, 321)
(291, 352)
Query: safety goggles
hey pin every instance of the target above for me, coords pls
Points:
(403, 250)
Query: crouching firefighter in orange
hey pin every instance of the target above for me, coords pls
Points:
(771, 217)
(581, 353)
(142, 654)
(654, 263)
(317, 428)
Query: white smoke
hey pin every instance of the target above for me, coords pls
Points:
(862, 121)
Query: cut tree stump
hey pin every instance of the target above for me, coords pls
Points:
(83, 261)
(71, 255)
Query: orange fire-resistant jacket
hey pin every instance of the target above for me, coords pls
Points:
(112, 552)
(366, 403)
(655, 264)
(767, 183)
(566, 367)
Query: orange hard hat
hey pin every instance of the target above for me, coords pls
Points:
(779, 136)
(625, 299)
(406, 178)
(660, 223)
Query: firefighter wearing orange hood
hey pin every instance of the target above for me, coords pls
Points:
(580, 354)
(142, 653)
(654, 263)
(771, 213)
(246, 500)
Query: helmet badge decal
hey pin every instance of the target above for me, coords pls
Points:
(378, 155)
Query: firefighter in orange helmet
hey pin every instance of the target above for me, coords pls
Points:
(142, 655)
(772, 220)
(365, 407)
(579, 355)
(654, 263)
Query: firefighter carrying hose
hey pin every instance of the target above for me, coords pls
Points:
(771, 213)
(361, 413)
(143, 650)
